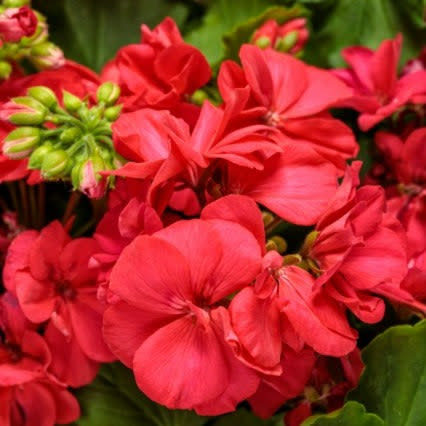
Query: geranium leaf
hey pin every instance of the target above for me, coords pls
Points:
(91, 31)
(393, 384)
(113, 399)
(351, 414)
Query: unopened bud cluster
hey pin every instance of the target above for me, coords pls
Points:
(289, 37)
(24, 35)
(72, 142)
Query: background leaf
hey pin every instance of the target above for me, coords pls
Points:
(344, 23)
(393, 384)
(242, 417)
(222, 17)
(91, 31)
(351, 414)
(113, 399)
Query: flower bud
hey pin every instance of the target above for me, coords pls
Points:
(55, 164)
(16, 23)
(289, 37)
(71, 102)
(108, 93)
(265, 35)
(20, 142)
(286, 43)
(5, 70)
(39, 154)
(44, 95)
(47, 55)
(113, 112)
(198, 97)
(292, 36)
(23, 111)
(70, 135)
(91, 182)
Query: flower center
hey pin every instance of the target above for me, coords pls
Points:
(272, 118)
(65, 290)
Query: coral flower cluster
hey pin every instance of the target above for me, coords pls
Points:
(239, 245)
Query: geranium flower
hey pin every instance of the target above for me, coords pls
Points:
(378, 92)
(294, 98)
(24, 359)
(359, 251)
(159, 72)
(127, 217)
(171, 322)
(50, 276)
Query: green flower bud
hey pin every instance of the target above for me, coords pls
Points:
(108, 93)
(20, 142)
(71, 102)
(284, 44)
(113, 112)
(39, 154)
(44, 95)
(5, 70)
(70, 135)
(199, 96)
(263, 42)
(24, 111)
(47, 55)
(55, 164)
(93, 117)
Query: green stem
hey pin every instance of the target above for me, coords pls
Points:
(51, 132)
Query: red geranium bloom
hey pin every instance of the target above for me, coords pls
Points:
(28, 394)
(220, 156)
(294, 98)
(159, 72)
(378, 92)
(50, 276)
(292, 315)
(407, 200)
(128, 216)
(296, 184)
(170, 327)
(360, 251)
(162, 147)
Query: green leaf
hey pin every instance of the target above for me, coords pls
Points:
(393, 384)
(242, 417)
(242, 33)
(222, 17)
(367, 23)
(91, 31)
(113, 399)
(351, 414)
